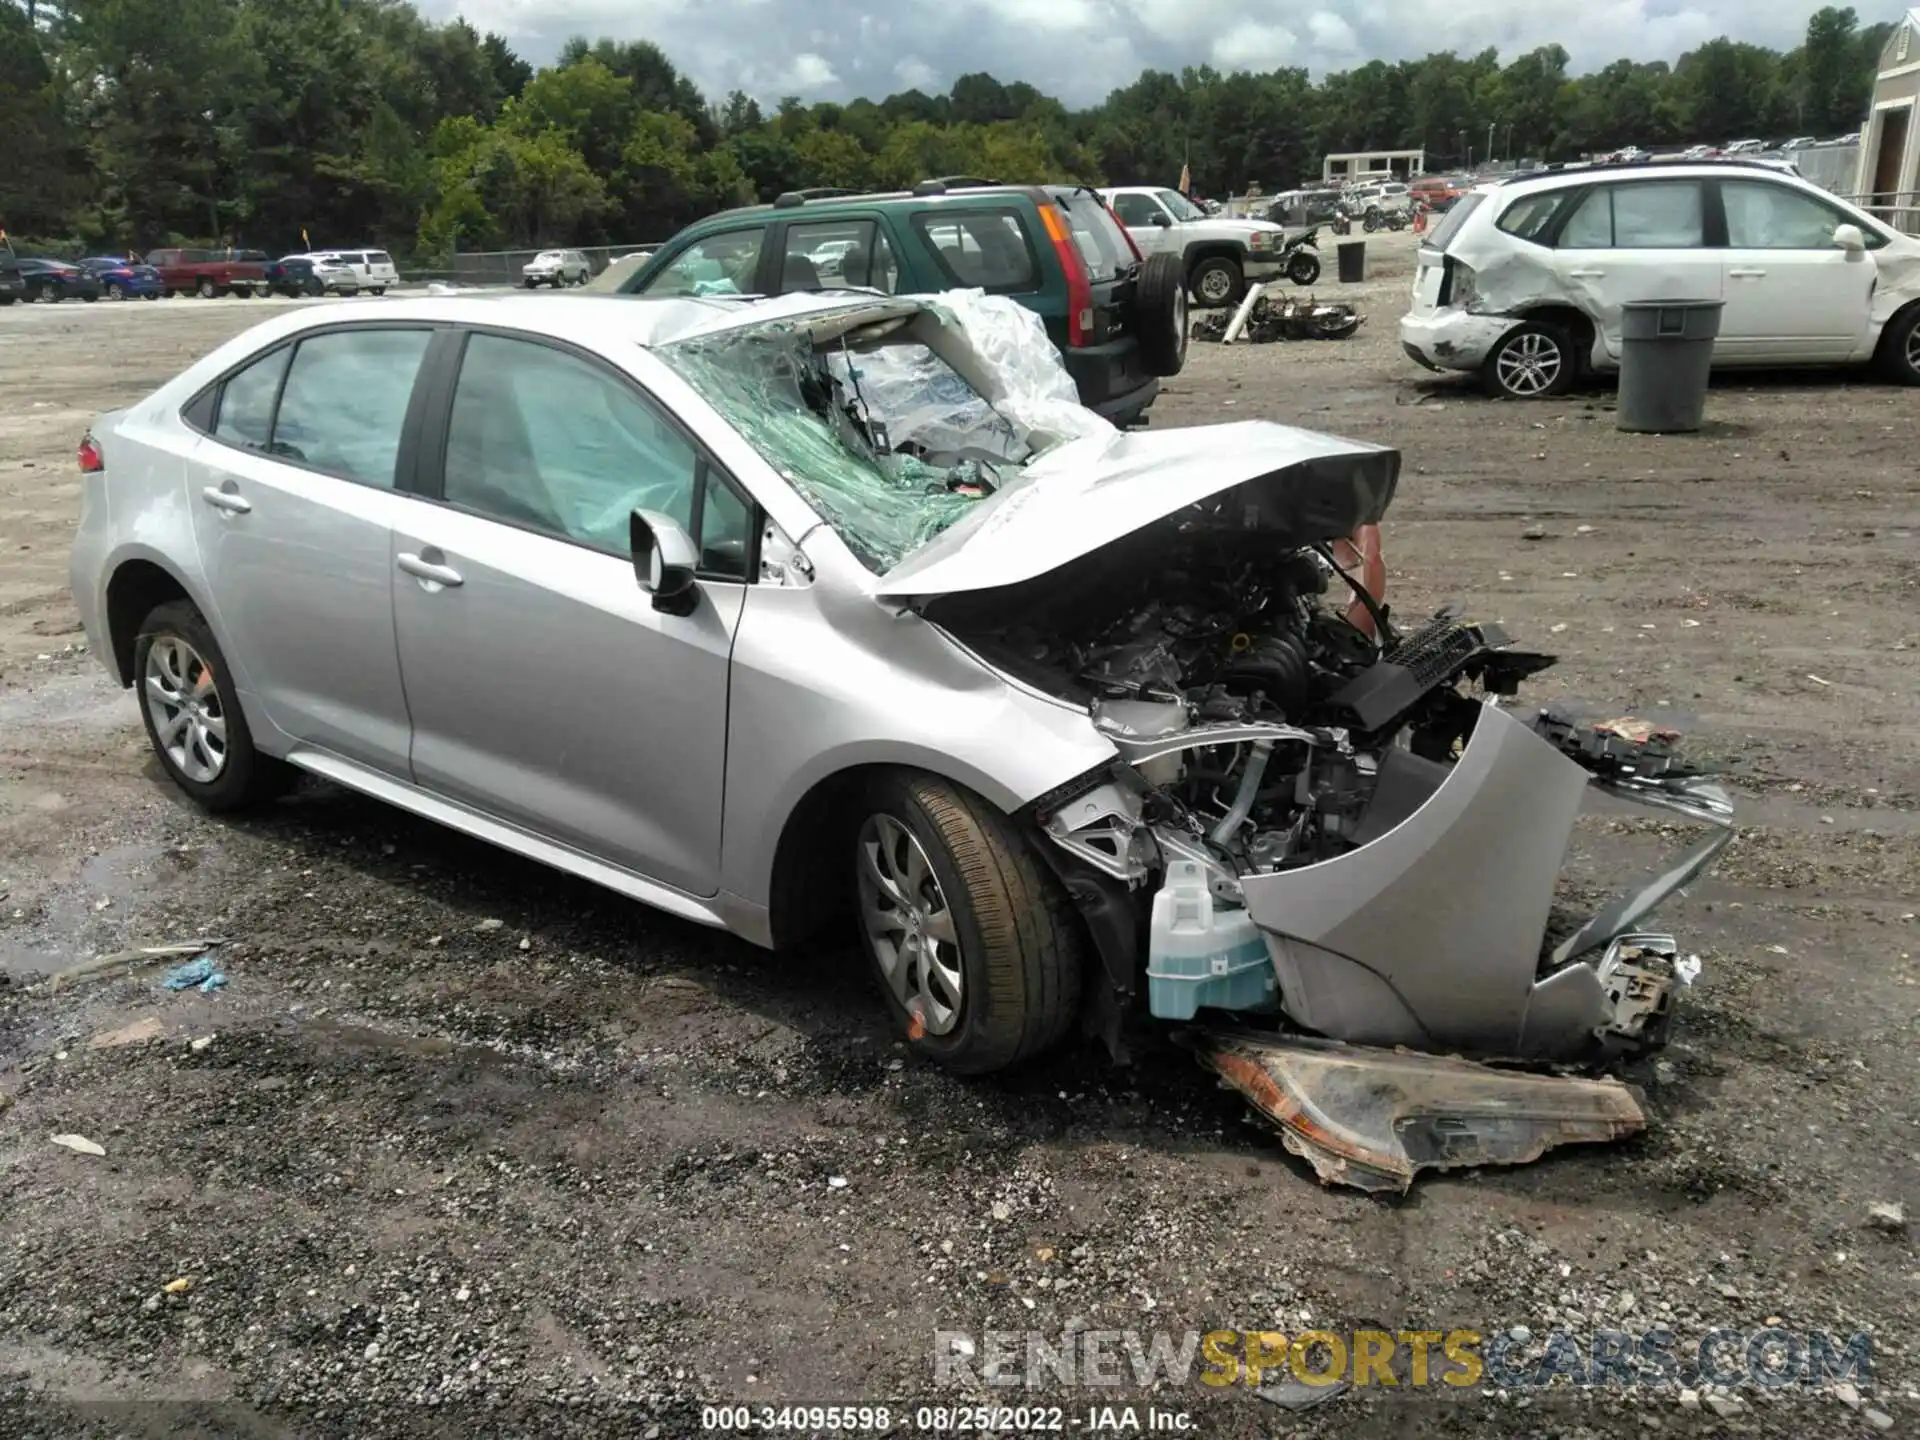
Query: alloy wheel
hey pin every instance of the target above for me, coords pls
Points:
(184, 704)
(1913, 349)
(909, 925)
(1529, 365)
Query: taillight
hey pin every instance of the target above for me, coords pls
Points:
(1079, 288)
(92, 462)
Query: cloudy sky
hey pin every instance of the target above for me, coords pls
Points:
(1081, 49)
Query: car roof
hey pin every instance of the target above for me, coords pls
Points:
(797, 204)
(639, 320)
(1529, 181)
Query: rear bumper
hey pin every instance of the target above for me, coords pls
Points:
(1110, 377)
(1452, 339)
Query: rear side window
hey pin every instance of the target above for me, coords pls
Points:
(1529, 216)
(246, 402)
(984, 248)
(345, 402)
(1644, 215)
(1097, 235)
(379, 257)
(1451, 222)
(833, 253)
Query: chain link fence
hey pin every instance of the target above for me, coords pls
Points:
(503, 267)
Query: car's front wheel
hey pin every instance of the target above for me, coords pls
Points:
(1217, 281)
(1900, 348)
(976, 947)
(1531, 362)
(193, 715)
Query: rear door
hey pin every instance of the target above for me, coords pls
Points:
(1636, 240)
(1792, 295)
(829, 254)
(294, 494)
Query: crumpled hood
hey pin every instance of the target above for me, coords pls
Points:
(1090, 492)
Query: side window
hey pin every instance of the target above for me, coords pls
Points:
(345, 402)
(1528, 217)
(542, 438)
(246, 402)
(721, 264)
(836, 253)
(1638, 215)
(1773, 217)
(987, 248)
(1135, 211)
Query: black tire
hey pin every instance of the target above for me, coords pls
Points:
(1217, 280)
(246, 777)
(206, 289)
(379, 290)
(1531, 362)
(1160, 314)
(1303, 267)
(1899, 356)
(316, 287)
(1018, 937)
(90, 296)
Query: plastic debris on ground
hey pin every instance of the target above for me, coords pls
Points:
(1288, 317)
(128, 959)
(80, 1144)
(195, 974)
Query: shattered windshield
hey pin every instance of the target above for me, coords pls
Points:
(884, 439)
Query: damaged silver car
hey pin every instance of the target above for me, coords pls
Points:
(840, 611)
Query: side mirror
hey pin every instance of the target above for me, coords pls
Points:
(663, 561)
(1849, 237)
(1163, 220)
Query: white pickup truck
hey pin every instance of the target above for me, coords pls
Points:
(1222, 253)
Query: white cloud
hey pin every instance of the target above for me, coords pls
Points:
(1081, 49)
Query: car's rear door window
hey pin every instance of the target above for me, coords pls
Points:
(345, 401)
(1639, 215)
(985, 248)
(245, 416)
(832, 253)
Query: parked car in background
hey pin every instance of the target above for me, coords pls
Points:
(1119, 323)
(56, 280)
(372, 269)
(1799, 142)
(124, 279)
(13, 285)
(311, 275)
(556, 268)
(1699, 152)
(1743, 147)
(1524, 281)
(207, 273)
(1219, 254)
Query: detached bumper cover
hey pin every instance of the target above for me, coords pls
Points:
(1430, 934)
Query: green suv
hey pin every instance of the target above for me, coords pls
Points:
(1120, 323)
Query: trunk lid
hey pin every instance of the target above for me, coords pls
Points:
(1090, 492)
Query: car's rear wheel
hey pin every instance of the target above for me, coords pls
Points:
(117, 291)
(1217, 281)
(206, 289)
(976, 947)
(1160, 310)
(193, 715)
(1900, 348)
(1531, 362)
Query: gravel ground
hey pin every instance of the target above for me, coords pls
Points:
(466, 1146)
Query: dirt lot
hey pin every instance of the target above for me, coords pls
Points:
(480, 1148)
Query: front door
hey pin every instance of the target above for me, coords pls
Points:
(1636, 240)
(545, 689)
(1147, 222)
(292, 508)
(1792, 295)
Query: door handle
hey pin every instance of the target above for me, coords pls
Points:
(226, 497)
(1746, 274)
(422, 568)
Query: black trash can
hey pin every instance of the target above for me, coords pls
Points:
(1353, 261)
(1666, 352)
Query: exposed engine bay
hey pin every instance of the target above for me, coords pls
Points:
(1327, 820)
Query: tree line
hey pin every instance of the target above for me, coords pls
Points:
(129, 124)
